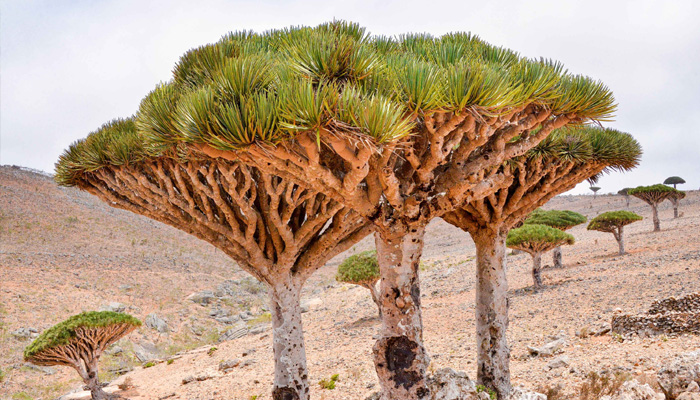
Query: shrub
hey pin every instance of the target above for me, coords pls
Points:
(362, 269)
(329, 384)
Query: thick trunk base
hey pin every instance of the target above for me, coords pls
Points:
(291, 380)
(493, 353)
(399, 356)
(557, 257)
(620, 241)
(537, 270)
(655, 217)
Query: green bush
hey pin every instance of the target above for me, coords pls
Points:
(535, 237)
(329, 384)
(560, 219)
(359, 268)
(658, 188)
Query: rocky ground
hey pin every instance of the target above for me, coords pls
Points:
(63, 251)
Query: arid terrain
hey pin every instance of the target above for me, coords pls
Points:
(63, 251)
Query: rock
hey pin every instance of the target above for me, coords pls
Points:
(25, 333)
(693, 387)
(226, 366)
(114, 350)
(202, 298)
(448, 384)
(114, 307)
(689, 396)
(197, 378)
(145, 351)
(228, 320)
(548, 349)
(633, 390)
(311, 304)
(237, 331)
(155, 322)
(559, 362)
(675, 378)
(44, 370)
(248, 352)
(519, 393)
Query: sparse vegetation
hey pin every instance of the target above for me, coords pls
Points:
(362, 269)
(614, 222)
(329, 384)
(211, 351)
(536, 239)
(149, 364)
(490, 392)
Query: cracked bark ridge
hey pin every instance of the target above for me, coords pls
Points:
(82, 352)
(278, 231)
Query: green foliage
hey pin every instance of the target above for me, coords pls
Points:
(534, 237)
(624, 191)
(2, 375)
(674, 180)
(560, 219)
(490, 392)
(359, 268)
(170, 361)
(149, 364)
(63, 332)
(594, 189)
(211, 351)
(608, 221)
(265, 88)
(329, 384)
(658, 188)
(21, 396)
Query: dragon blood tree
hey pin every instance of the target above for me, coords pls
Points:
(595, 190)
(560, 219)
(675, 199)
(555, 165)
(614, 222)
(654, 195)
(537, 239)
(625, 192)
(276, 230)
(362, 269)
(674, 180)
(400, 130)
(78, 342)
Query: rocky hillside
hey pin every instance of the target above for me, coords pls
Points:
(207, 330)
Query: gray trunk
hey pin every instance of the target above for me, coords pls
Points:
(655, 217)
(628, 201)
(620, 240)
(291, 375)
(375, 296)
(556, 257)
(399, 356)
(493, 353)
(536, 270)
(675, 207)
(92, 383)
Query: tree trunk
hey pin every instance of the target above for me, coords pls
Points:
(620, 241)
(92, 383)
(291, 375)
(536, 270)
(556, 257)
(375, 295)
(399, 356)
(628, 201)
(493, 353)
(655, 217)
(675, 207)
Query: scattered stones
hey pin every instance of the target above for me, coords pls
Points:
(687, 304)
(519, 393)
(548, 349)
(155, 322)
(678, 376)
(633, 390)
(226, 366)
(43, 370)
(198, 378)
(25, 333)
(202, 298)
(558, 362)
(448, 384)
(114, 307)
(311, 304)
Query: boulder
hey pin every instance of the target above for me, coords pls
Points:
(519, 393)
(548, 349)
(633, 390)
(558, 362)
(202, 298)
(153, 321)
(679, 375)
(448, 384)
(25, 333)
(114, 307)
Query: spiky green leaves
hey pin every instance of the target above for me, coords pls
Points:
(63, 332)
(361, 268)
(560, 219)
(535, 238)
(612, 220)
(674, 180)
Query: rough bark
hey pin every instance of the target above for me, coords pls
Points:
(493, 353)
(399, 356)
(537, 270)
(557, 257)
(675, 207)
(655, 217)
(372, 287)
(620, 240)
(291, 373)
(92, 383)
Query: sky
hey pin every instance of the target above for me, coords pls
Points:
(67, 67)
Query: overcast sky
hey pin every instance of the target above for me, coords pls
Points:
(66, 67)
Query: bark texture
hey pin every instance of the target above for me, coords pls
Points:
(537, 270)
(675, 207)
(291, 374)
(557, 257)
(620, 240)
(655, 217)
(399, 356)
(493, 369)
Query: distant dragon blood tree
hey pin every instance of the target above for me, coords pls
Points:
(537, 239)
(654, 195)
(399, 130)
(625, 192)
(277, 231)
(614, 222)
(363, 270)
(675, 199)
(595, 190)
(78, 342)
(674, 180)
(560, 219)
(557, 164)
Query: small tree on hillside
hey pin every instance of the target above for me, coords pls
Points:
(536, 240)
(674, 180)
(560, 219)
(78, 342)
(654, 195)
(362, 269)
(675, 199)
(614, 222)
(595, 190)
(625, 192)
